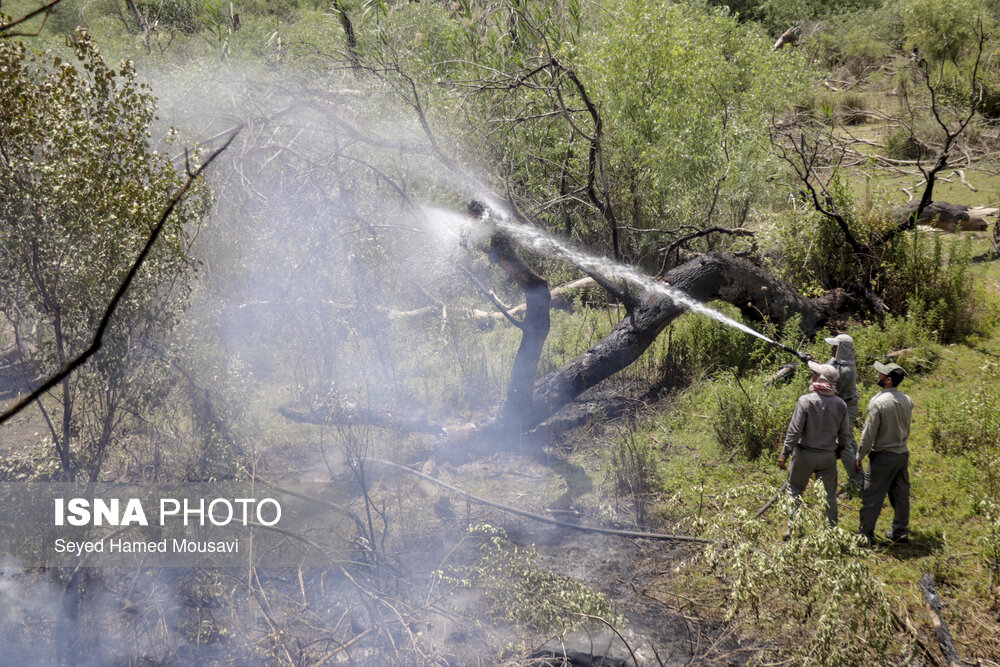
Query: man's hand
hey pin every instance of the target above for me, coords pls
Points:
(781, 462)
(857, 465)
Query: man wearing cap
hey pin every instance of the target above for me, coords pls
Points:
(842, 349)
(883, 440)
(819, 429)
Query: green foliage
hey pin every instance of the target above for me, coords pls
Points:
(80, 190)
(860, 41)
(930, 280)
(752, 418)
(820, 582)
(702, 76)
(519, 591)
(175, 14)
(815, 255)
(700, 346)
(779, 15)
(965, 420)
(941, 29)
(873, 342)
(900, 145)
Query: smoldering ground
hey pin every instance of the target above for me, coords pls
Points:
(333, 275)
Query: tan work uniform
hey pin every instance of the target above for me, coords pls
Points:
(885, 436)
(847, 389)
(819, 427)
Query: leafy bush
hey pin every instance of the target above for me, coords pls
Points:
(814, 253)
(821, 581)
(519, 591)
(697, 345)
(942, 29)
(928, 279)
(751, 418)
(874, 342)
(859, 41)
(900, 145)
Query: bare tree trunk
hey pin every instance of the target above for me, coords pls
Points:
(534, 331)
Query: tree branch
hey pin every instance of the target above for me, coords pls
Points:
(44, 9)
(120, 293)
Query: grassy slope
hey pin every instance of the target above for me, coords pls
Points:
(948, 530)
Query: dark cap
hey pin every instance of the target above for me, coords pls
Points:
(894, 371)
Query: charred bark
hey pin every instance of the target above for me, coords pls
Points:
(713, 276)
(534, 328)
(724, 276)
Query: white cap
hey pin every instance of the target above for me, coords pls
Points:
(836, 340)
(825, 371)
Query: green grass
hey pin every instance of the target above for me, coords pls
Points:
(948, 527)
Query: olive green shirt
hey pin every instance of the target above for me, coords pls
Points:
(888, 425)
(819, 423)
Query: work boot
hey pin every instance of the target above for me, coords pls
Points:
(902, 539)
(867, 541)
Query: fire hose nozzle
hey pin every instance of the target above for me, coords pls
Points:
(791, 350)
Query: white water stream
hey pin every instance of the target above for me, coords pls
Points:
(544, 243)
(446, 227)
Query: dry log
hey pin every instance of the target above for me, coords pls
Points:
(783, 374)
(948, 217)
(940, 625)
(790, 36)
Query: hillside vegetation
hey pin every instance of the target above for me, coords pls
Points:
(321, 305)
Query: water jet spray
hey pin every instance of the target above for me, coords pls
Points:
(537, 240)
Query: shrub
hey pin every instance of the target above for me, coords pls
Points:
(698, 345)
(821, 581)
(519, 591)
(874, 343)
(852, 109)
(900, 145)
(752, 418)
(928, 279)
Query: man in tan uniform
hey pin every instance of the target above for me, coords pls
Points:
(842, 348)
(883, 440)
(817, 433)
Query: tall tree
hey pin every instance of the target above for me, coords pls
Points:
(80, 188)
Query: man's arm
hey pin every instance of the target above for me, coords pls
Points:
(794, 433)
(869, 432)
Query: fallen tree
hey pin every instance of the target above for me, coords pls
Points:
(532, 400)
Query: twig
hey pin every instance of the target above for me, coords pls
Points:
(27, 17)
(940, 625)
(492, 297)
(635, 659)
(961, 177)
(109, 312)
(545, 519)
(766, 506)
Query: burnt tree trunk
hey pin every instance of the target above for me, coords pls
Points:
(712, 276)
(534, 330)
(531, 401)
